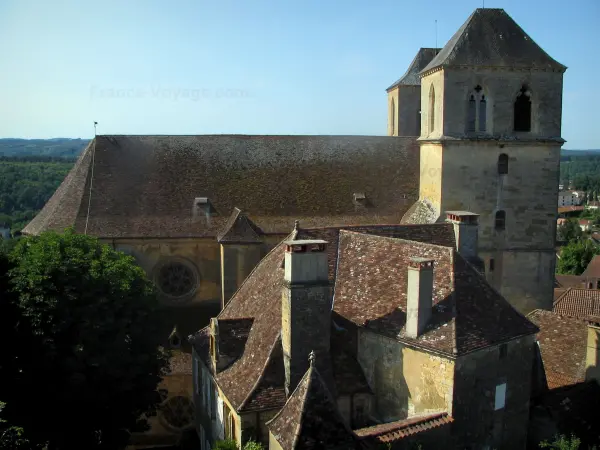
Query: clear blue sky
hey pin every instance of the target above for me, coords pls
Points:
(252, 66)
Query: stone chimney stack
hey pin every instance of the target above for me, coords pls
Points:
(305, 307)
(419, 296)
(466, 230)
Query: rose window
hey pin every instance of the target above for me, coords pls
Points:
(176, 279)
(178, 412)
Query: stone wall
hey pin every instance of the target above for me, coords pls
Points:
(476, 422)
(407, 104)
(237, 261)
(435, 80)
(406, 381)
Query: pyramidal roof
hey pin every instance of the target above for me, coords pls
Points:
(310, 418)
(491, 38)
(411, 77)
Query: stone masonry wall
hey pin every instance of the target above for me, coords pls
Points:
(476, 422)
(406, 381)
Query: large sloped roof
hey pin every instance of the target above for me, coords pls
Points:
(421, 59)
(145, 186)
(491, 38)
(310, 418)
(466, 316)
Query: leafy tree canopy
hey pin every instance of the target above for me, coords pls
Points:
(570, 231)
(86, 355)
(575, 257)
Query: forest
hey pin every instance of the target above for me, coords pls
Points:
(582, 170)
(26, 184)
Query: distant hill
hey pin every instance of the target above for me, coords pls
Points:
(58, 147)
(566, 152)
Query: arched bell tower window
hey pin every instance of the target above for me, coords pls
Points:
(477, 111)
(431, 109)
(503, 164)
(522, 110)
(500, 220)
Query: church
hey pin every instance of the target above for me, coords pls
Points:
(474, 126)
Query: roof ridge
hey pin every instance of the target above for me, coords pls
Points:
(402, 240)
(262, 373)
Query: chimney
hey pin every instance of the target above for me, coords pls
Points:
(419, 296)
(466, 231)
(305, 307)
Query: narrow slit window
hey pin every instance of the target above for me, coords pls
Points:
(500, 397)
(522, 111)
(431, 109)
(492, 264)
(482, 114)
(500, 222)
(503, 164)
(472, 114)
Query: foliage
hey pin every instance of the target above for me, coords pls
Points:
(25, 187)
(570, 231)
(11, 437)
(85, 331)
(252, 445)
(228, 444)
(583, 170)
(575, 257)
(42, 148)
(562, 443)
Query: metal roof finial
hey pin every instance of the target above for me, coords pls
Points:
(311, 358)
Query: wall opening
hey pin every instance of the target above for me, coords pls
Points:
(500, 222)
(522, 110)
(477, 111)
(503, 164)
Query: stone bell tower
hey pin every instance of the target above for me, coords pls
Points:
(491, 107)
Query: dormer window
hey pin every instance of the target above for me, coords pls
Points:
(477, 111)
(203, 207)
(522, 110)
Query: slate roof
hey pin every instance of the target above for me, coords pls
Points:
(310, 418)
(145, 186)
(395, 431)
(465, 317)
(579, 303)
(239, 229)
(593, 268)
(563, 343)
(421, 59)
(491, 38)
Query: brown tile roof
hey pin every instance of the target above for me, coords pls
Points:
(144, 186)
(563, 343)
(568, 281)
(593, 268)
(310, 418)
(180, 363)
(370, 290)
(239, 229)
(386, 247)
(565, 209)
(394, 431)
(579, 303)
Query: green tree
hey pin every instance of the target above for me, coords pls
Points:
(252, 445)
(11, 438)
(570, 231)
(575, 257)
(228, 444)
(562, 443)
(88, 357)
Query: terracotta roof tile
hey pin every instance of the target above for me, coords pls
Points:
(563, 343)
(395, 431)
(310, 418)
(145, 186)
(580, 303)
(180, 363)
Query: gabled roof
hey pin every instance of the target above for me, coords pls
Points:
(593, 268)
(579, 303)
(411, 77)
(400, 429)
(239, 229)
(491, 38)
(145, 186)
(563, 343)
(310, 418)
(465, 323)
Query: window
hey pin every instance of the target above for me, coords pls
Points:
(393, 116)
(477, 111)
(178, 412)
(492, 264)
(522, 110)
(431, 109)
(500, 221)
(502, 351)
(503, 164)
(500, 397)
